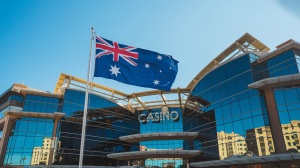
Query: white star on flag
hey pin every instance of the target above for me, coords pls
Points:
(156, 82)
(160, 71)
(114, 70)
(159, 57)
(147, 65)
(170, 68)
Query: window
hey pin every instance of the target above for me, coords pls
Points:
(297, 142)
(270, 142)
(289, 143)
(271, 148)
(262, 144)
(285, 128)
(259, 131)
(293, 137)
(294, 143)
(263, 150)
(245, 149)
(296, 136)
(287, 137)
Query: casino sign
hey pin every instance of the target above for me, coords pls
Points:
(158, 117)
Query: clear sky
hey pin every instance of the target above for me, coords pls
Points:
(41, 39)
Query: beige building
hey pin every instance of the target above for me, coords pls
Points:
(231, 144)
(291, 133)
(258, 140)
(264, 141)
(40, 155)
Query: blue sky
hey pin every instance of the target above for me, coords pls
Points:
(41, 39)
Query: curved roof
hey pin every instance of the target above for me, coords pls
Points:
(159, 136)
(155, 154)
(233, 47)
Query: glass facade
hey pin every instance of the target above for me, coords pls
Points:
(107, 121)
(231, 118)
(284, 64)
(160, 123)
(288, 106)
(34, 103)
(12, 97)
(28, 143)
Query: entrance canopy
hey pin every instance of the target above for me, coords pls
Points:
(155, 154)
(159, 136)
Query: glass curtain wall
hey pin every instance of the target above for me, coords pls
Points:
(231, 118)
(165, 125)
(12, 97)
(106, 122)
(288, 106)
(284, 64)
(30, 140)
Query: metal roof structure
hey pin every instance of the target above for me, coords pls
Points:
(249, 160)
(244, 44)
(237, 45)
(65, 81)
(159, 136)
(155, 154)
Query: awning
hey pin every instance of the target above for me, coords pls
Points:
(19, 114)
(155, 154)
(249, 160)
(275, 82)
(159, 136)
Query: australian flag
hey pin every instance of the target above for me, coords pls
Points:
(134, 66)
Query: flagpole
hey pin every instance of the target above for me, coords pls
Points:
(85, 104)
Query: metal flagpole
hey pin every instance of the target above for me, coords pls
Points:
(85, 104)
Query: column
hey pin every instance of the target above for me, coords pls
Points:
(8, 123)
(275, 124)
(51, 155)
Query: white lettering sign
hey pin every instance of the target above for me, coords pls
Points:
(159, 116)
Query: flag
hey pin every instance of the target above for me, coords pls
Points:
(134, 66)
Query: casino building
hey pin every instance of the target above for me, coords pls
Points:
(242, 109)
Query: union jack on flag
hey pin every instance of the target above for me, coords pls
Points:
(116, 50)
(134, 66)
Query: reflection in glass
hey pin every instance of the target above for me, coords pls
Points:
(233, 120)
(288, 105)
